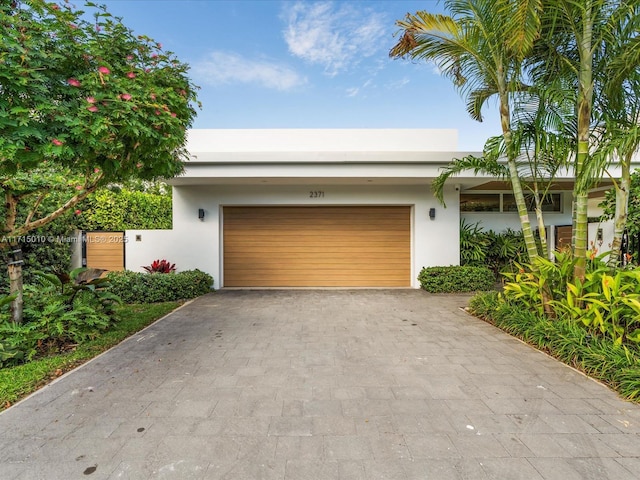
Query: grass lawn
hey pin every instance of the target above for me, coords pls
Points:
(18, 382)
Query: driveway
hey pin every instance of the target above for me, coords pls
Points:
(322, 384)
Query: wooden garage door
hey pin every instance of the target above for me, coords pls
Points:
(317, 246)
(105, 250)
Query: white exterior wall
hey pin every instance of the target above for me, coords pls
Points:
(198, 244)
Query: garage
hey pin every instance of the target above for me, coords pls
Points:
(317, 246)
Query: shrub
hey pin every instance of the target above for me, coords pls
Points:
(456, 279)
(53, 320)
(137, 287)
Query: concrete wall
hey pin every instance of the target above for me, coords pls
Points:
(198, 244)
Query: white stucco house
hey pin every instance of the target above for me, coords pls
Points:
(323, 208)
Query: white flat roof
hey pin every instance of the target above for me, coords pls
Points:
(238, 141)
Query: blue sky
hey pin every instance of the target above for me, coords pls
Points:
(304, 64)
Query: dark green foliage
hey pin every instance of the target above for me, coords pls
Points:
(599, 357)
(487, 248)
(53, 321)
(456, 279)
(136, 287)
(124, 209)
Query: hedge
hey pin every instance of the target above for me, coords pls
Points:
(456, 279)
(136, 287)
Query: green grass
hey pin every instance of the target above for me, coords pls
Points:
(18, 382)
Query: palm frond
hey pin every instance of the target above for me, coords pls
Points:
(472, 163)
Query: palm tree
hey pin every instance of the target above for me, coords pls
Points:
(480, 47)
(618, 100)
(572, 51)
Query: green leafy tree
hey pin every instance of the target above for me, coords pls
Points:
(82, 104)
(480, 47)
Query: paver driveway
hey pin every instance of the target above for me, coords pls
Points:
(322, 384)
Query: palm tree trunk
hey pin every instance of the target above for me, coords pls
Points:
(584, 105)
(521, 204)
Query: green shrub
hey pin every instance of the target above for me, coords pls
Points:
(52, 321)
(456, 279)
(136, 287)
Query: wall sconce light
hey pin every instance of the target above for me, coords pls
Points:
(15, 257)
(599, 237)
(432, 213)
(201, 214)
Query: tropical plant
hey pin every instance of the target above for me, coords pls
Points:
(84, 104)
(480, 47)
(473, 244)
(160, 266)
(569, 60)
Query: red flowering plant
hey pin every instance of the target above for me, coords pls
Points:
(85, 102)
(160, 266)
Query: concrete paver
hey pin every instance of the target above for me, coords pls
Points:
(322, 384)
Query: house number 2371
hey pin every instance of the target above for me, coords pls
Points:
(316, 194)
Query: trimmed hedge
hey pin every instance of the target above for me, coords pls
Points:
(456, 279)
(136, 287)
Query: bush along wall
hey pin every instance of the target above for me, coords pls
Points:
(456, 279)
(136, 287)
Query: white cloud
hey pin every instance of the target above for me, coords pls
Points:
(333, 35)
(221, 68)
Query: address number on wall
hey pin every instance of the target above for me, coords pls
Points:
(316, 194)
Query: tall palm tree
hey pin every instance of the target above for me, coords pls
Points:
(480, 47)
(618, 100)
(572, 51)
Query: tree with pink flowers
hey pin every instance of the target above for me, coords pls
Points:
(83, 103)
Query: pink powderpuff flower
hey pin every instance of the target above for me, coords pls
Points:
(73, 26)
(125, 96)
(138, 165)
(57, 142)
(96, 170)
(92, 108)
(91, 99)
(173, 114)
(78, 212)
(73, 82)
(104, 70)
(158, 112)
(153, 96)
(55, 7)
(79, 187)
(129, 57)
(131, 75)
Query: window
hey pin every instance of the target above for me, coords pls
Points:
(479, 202)
(506, 202)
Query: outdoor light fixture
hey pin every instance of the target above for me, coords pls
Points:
(201, 214)
(599, 237)
(15, 257)
(432, 213)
